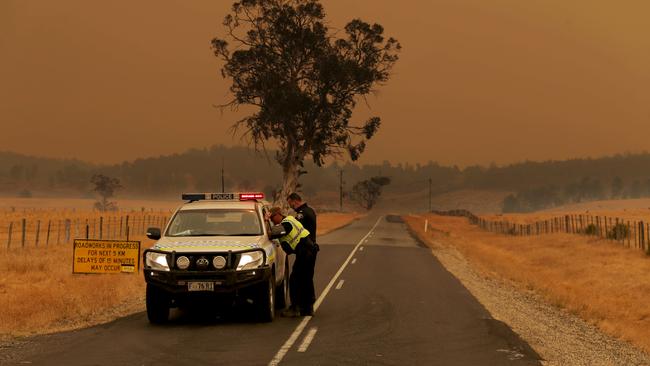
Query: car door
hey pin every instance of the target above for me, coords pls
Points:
(280, 256)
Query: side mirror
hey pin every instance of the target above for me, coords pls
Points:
(153, 233)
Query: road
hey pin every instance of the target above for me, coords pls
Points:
(383, 300)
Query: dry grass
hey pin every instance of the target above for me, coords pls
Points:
(328, 222)
(625, 214)
(600, 281)
(631, 209)
(39, 294)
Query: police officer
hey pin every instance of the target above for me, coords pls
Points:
(295, 239)
(304, 214)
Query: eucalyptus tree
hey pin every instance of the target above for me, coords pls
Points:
(302, 79)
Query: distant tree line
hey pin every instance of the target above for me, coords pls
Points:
(587, 189)
(535, 185)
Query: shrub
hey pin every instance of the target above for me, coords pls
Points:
(618, 232)
(591, 229)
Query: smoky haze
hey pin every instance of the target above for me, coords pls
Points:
(477, 82)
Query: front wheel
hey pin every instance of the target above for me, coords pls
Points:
(158, 302)
(265, 300)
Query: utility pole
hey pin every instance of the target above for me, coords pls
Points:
(341, 191)
(429, 195)
(223, 185)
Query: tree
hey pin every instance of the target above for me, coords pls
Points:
(303, 81)
(511, 204)
(617, 187)
(367, 192)
(106, 187)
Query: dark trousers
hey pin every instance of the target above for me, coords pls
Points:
(301, 280)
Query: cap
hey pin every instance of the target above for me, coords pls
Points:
(276, 210)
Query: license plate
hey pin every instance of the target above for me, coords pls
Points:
(200, 286)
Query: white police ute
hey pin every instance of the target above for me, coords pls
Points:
(216, 247)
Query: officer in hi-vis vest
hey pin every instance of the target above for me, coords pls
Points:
(294, 239)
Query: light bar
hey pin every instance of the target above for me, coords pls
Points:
(251, 196)
(193, 196)
(247, 196)
(208, 196)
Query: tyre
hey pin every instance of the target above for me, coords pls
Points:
(282, 291)
(265, 300)
(158, 302)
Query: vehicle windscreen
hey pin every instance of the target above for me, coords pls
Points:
(215, 222)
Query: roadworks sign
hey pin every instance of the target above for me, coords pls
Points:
(105, 256)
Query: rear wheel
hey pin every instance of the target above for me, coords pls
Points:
(158, 302)
(265, 300)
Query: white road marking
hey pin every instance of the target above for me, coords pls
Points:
(361, 249)
(308, 338)
(338, 287)
(296, 333)
(354, 261)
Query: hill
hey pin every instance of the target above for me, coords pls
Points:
(533, 185)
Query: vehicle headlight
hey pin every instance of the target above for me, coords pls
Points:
(219, 262)
(250, 260)
(182, 262)
(157, 261)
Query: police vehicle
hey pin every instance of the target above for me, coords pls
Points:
(216, 247)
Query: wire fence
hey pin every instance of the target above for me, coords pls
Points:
(628, 233)
(42, 229)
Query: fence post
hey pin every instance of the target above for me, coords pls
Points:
(426, 224)
(566, 223)
(22, 240)
(641, 236)
(598, 226)
(38, 231)
(101, 227)
(126, 228)
(58, 232)
(9, 232)
(68, 226)
(47, 238)
(647, 235)
(87, 230)
(627, 233)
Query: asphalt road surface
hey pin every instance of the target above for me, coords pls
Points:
(383, 300)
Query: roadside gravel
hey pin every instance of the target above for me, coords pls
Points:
(560, 337)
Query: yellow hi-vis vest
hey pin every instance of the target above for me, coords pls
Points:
(296, 234)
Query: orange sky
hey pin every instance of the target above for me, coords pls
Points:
(478, 81)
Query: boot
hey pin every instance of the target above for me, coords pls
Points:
(307, 311)
(290, 312)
